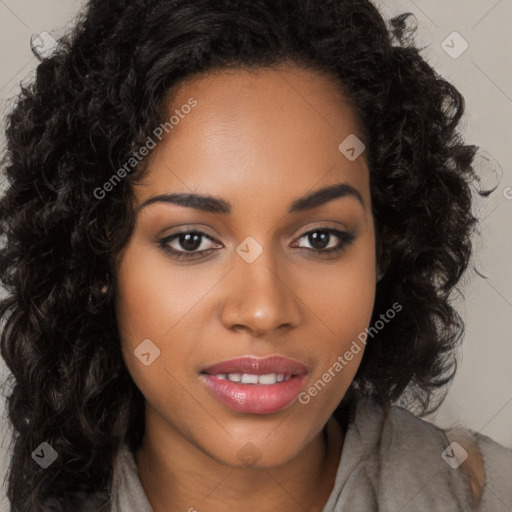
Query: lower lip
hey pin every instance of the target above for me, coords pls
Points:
(255, 398)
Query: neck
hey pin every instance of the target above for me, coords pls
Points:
(177, 476)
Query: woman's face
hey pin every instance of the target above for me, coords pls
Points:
(246, 157)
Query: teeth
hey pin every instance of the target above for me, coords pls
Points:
(270, 378)
(248, 378)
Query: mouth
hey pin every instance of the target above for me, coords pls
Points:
(250, 378)
(255, 385)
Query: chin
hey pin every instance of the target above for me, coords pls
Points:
(257, 452)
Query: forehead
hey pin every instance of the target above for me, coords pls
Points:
(273, 132)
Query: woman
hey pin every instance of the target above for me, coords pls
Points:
(232, 230)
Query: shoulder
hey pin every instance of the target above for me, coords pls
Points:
(469, 465)
(488, 465)
(398, 433)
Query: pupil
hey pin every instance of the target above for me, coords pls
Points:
(190, 241)
(319, 239)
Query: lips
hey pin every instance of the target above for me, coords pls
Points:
(258, 366)
(255, 386)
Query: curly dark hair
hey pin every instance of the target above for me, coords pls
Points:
(96, 99)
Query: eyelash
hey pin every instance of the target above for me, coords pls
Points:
(346, 238)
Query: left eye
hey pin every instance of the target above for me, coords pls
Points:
(319, 238)
(192, 241)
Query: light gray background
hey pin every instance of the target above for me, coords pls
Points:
(481, 395)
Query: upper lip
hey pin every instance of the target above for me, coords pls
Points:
(257, 366)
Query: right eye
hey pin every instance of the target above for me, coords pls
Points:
(190, 242)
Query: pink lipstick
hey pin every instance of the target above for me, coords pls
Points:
(256, 385)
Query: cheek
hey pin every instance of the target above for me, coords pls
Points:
(342, 296)
(148, 313)
(165, 305)
(156, 300)
(146, 309)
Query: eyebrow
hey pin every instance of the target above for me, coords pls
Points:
(211, 204)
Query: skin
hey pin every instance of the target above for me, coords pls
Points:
(259, 140)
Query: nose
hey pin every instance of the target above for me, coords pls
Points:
(260, 297)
